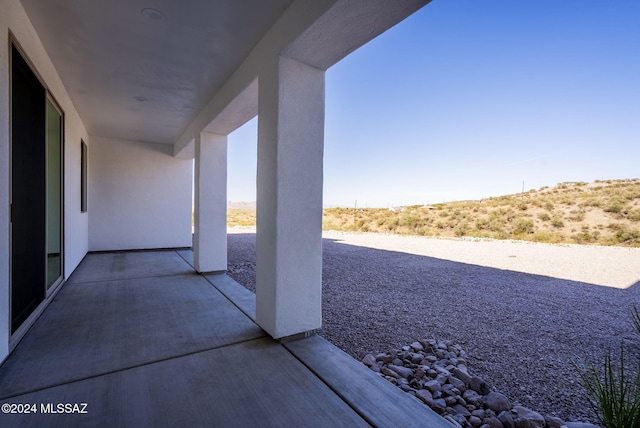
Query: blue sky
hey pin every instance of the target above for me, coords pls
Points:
(468, 99)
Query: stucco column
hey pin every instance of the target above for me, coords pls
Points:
(289, 198)
(210, 192)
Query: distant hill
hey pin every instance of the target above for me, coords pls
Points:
(241, 205)
(605, 212)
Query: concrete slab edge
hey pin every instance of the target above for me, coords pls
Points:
(375, 399)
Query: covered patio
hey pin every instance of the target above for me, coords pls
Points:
(141, 339)
(114, 121)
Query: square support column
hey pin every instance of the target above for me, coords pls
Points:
(289, 198)
(210, 192)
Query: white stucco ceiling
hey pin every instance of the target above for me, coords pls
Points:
(142, 76)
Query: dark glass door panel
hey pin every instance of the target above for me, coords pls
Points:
(28, 190)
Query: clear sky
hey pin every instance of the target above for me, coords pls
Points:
(467, 99)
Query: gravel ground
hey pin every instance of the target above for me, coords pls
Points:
(522, 311)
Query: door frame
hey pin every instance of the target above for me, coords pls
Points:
(51, 289)
(19, 333)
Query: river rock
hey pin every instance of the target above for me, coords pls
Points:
(527, 418)
(506, 419)
(425, 396)
(435, 372)
(553, 422)
(449, 389)
(458, 384)
(439, 405)
(433, 385)
(479, 385)
(369, 360)
(492, 422)
(417, 346)
(388, 372)
(496, 402)
(462, 375)
(472, 397)
(461, 410)
(402, 371)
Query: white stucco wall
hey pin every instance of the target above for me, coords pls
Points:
(14, 19)
(139, 196)
(76, 224)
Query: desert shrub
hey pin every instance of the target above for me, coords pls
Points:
(499, 235)
(568, 200)
(462, 228)
(392, 223)
(615, 206)
(497, 213)
(482, 223)
(241, 217)
(583, 237)
(424, 231)
(523, 226)
(546, 236)
(628, 237)
(544, 216)
(497, 225)
(409, 220)
(329, 224)
(577, 216)
(557, 220)
(593, 203)
(614, 227)
(633, 215)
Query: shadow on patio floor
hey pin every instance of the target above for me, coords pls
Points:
(145, 341)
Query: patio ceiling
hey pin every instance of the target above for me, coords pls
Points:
(142, 70)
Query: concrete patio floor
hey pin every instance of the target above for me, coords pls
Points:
(140, 339)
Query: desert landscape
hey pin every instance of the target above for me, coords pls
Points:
(530, 310)
(603, 212)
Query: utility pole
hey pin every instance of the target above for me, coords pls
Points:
(355, 209)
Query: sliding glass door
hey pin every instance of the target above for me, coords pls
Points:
(36, 192)
(54, 193)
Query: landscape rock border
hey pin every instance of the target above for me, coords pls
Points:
(436, 373)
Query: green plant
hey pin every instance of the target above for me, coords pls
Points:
(633, 215)
(557, 221)
(523, 226)
(616, 206)
(635, 318)
(614, 393)
(628, 237)
(544, 217)
(462, 228)
(583, 237)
